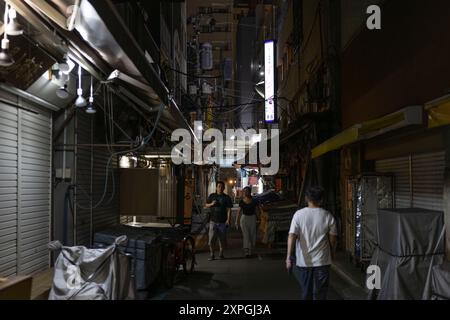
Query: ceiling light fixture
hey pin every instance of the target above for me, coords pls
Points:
(91, 107)
(13, 28)
(62, 92)
(5, 58)
(81, 101)
(66, 65)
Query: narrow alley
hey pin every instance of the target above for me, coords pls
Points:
(233, 150)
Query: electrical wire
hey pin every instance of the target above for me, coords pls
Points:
(144, 142)
(194, 76)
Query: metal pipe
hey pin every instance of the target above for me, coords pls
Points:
(48, 11)
(73, 17)
(75, 198)
(411, 196)
(88, 145)
(91, 211)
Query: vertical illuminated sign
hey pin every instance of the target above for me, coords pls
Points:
(269, 81)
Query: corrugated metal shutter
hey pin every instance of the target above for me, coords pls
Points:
(422, 186)
(83, 180)
(428, 180)
(90, 177)
(400, 168)
(25, 189)
(35, 163)
(107, 214)
(8, 190)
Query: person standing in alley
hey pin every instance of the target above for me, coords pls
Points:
(314, 234)
(246, 218)
(220, 205)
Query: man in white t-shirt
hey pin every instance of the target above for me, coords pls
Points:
(313, 230)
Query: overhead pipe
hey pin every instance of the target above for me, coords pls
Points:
(74, 15)
(53, 14)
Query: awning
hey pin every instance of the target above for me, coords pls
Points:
(402, 118)
(438, 112)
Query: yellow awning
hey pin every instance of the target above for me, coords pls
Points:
(345, 137)
(438, 112)
(407, 116)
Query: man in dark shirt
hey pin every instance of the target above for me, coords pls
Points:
(220, 205)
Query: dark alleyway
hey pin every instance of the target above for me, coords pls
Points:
(262, 277)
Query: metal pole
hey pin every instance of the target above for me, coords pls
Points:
(91, 213)
(88, 145)
(75, 210)
(411, 197)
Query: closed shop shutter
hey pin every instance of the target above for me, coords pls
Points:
(8, 190)
(25, 189)
(428, 180)
(400, 168)
(90, 176)
(419, 179)
(35, 164)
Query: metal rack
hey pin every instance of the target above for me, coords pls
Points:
(366, 193)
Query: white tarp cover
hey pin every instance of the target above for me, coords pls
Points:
(91, 274)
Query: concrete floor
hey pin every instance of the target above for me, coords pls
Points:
(262, 277)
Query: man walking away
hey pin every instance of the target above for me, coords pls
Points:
(220, 205)
(313, 230)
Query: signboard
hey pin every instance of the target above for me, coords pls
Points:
(269, 81)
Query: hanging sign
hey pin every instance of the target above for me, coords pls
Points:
(269, 81)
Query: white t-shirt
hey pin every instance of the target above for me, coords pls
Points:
(312, 226)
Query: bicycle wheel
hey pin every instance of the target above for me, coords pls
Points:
(188, 255)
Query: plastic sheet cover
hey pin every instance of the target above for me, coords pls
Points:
(410, 244)
(91, 274)
(438, 286)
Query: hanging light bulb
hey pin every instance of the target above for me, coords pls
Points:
(5, 58)
(81, 101)
(91, 107)
(13, 28)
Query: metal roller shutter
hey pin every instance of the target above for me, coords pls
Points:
(35, 163)
(25, 189)
(83, 180)
(8, 190)
(90, 177)
(107, 214)
(419, 179)
(400, 168)
(428, 180)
